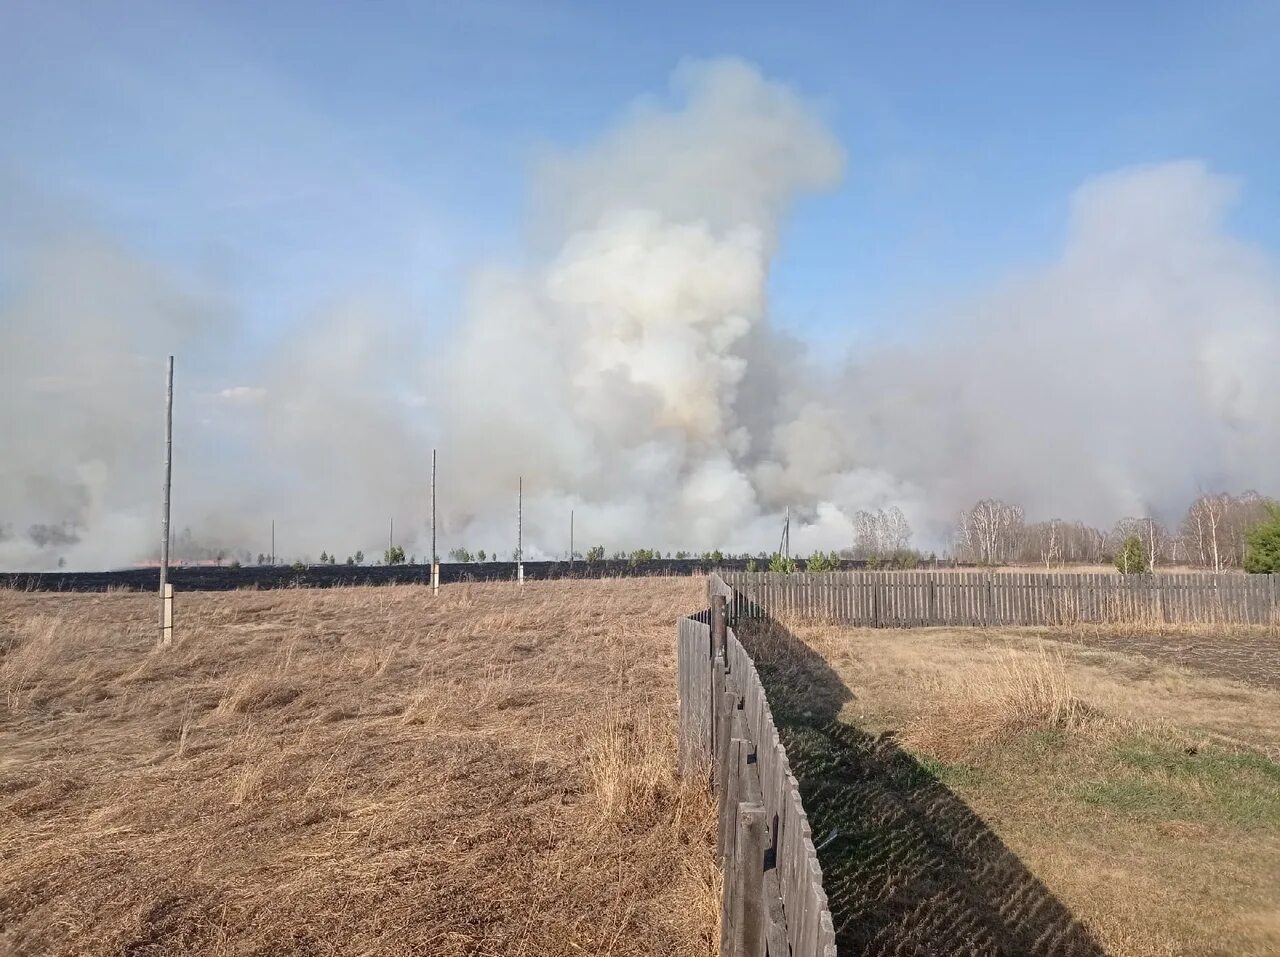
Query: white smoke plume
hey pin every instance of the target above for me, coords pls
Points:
(617, 379)
(631, 373)
(1133, 372)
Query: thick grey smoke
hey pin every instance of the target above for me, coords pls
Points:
(83, 327)
(1136, 370)
(618, 378)
(631, 373)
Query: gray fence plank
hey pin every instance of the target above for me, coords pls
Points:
(1021, 598)
(724, 722)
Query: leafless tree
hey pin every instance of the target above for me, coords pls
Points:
(1156, 537)
(880, 533)
(866, 541)
(1205, 527)
(990, 532)
(1052, 550)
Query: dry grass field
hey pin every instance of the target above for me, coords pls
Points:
(350, 771)
(1124, 783)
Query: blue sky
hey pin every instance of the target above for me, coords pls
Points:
(296, 153)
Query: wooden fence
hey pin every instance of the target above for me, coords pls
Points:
(916, 598)
(773, 903)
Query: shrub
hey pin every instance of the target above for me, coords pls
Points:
(1262, 545)
(903, 558)
(462, 555)
(481, 556)
(595, 553)
(359, 558)
(641, 555)
(752, 565)
(1132, 557)
(393, 556)
(823, 562)
(298, 566)
(786, 566)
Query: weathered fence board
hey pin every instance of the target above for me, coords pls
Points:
(921, 598)
(774, 904)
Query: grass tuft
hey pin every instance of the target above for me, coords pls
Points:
(965, 715)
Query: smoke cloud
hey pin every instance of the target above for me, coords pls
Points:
(631, 373)
(1121, 379)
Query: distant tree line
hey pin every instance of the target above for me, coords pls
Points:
(1215, 534)
(1219, 531)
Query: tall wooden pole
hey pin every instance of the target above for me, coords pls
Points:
(570, 538)
(435, 563)
(520, 530)
(273, 541)
(166, 601)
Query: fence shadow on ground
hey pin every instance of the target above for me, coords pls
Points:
(912, 869)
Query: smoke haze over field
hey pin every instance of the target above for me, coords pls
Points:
(631, 373)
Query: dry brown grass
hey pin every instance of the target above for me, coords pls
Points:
(968, 713)
(355, 771)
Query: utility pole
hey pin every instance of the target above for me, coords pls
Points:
(273, 542)
(435, 563)
(391, 539)
(520, 530)
(785, 545)
(570, 538)
(166, 590)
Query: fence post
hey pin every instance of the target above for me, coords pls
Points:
(718, 624)
(751, 911)
(721, 722)
(731, 762)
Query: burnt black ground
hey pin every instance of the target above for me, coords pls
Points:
(227, 578)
